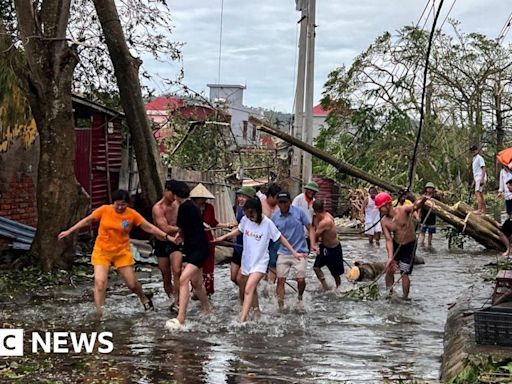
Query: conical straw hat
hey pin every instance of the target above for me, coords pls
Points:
(201, 191)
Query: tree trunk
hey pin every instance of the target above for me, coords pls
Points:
(44, 69)
(126, 68)
(478, 227)
(340, 165)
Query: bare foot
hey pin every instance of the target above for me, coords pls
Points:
(208, 309)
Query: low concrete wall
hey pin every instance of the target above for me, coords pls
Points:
(459, 334)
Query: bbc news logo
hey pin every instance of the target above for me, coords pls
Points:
(12, 342)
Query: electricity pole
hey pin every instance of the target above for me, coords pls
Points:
(295, 171)
(307, 136)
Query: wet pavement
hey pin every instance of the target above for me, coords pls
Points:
(329, 339)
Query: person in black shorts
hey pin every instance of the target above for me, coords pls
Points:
(404, 256)
(329, 253)
(399, 232)
(169, 255)
(195, 246)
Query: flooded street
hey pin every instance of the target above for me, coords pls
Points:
(328, 340)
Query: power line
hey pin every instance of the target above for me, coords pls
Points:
(505, 29)
(448, 14)
(220, 39)
(425, 73)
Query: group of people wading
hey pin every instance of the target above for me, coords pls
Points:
(273, 237)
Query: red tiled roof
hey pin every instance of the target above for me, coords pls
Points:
(319, 111)
(163, 103)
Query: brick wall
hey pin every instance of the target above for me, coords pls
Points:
(18, 200)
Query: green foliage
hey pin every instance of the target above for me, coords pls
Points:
(491, 370)
(455, 237)
(33, 278)
(375, 107)
(202, 147)
(367, 292)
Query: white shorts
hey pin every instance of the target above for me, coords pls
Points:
(369, 229)
(250, 266)
(478, 187)
(285, 263)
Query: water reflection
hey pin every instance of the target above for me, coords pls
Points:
(329, 340)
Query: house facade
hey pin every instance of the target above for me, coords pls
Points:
(231, 96)
(99, 155)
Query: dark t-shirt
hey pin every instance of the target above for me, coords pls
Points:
(430, 220)
(190, 221)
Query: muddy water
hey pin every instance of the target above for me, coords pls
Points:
(327, 340)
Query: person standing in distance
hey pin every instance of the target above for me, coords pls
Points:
(479, 178)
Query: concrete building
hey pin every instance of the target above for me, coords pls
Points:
(232, 97)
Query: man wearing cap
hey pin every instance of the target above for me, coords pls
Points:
(398, 229)
(427, 218)
(291, 220)
(479, 178)
(242, 195)
(305, 201)
(168, 254)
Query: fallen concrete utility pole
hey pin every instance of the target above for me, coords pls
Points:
(483, 229)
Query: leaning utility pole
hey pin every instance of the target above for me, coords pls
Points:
(307, 137)
(295, 170)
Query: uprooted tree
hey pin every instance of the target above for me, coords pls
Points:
(481, 228)
(42, 42)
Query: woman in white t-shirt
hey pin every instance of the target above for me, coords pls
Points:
(257, 230)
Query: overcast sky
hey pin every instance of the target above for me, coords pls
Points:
(259, 39)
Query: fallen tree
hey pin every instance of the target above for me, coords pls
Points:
(483, 229)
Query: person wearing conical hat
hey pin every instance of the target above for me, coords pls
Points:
(427, 217)
(199, 195)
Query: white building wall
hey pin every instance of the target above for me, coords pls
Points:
(233, 96)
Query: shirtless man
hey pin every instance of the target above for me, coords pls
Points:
(330, 253)
(269, 206)
(401, 246)
(169, 256)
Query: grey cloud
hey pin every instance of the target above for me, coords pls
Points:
(259, 39)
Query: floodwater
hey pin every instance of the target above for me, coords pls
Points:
(329, 339)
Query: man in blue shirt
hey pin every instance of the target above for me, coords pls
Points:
(290, 221)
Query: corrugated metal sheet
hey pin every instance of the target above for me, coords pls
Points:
(21, 234)
(325, 191)
(82, 158)
(106, 157)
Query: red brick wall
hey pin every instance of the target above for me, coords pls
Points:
(18, 200)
